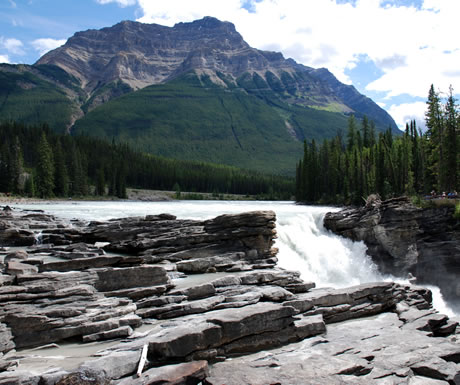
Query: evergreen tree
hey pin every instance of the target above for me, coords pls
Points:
(29, 187)
(351, 132)
(435, 135)
(4, 161)
(100, 182)
(451, 148)
(120, 187)
(366, 132)
(45, 169)
(15, 167)
(61, 177)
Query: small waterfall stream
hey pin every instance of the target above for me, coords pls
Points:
(38, 238)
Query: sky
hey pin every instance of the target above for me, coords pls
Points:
(390, 50)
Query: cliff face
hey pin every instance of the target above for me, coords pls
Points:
(145, 54)
(402, 239)
(140, 55)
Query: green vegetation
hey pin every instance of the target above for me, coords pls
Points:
(193, 119)
(254, 123)
(28, 98)
(35, 161)
(346, 170)
(457, 211)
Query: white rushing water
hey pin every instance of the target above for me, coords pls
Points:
(303, 243)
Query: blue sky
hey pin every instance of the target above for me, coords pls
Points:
(390, 50)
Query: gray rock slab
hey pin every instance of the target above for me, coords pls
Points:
(373, 350)
(180, 374)
(253, 319)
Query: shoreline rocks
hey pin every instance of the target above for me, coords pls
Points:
(403, 239)
(196, 293)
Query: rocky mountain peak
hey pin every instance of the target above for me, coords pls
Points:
(143, 54)
(137, 55)
(208, 23)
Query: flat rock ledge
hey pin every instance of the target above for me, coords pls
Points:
(207, 304)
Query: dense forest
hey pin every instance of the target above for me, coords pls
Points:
(345, 170)
(36, 161)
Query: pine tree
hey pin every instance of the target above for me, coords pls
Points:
(451, 149)
(29, 187)
(61, 176)
(15, 167)
(100, 182)
(4, 160)
(380, 173)
(417, 163)
(45, 169)
(351, 132)
(435, 135)
(366, 132)
(372, 133)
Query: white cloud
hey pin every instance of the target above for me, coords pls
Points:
(337, 35)
(404, 113)
(45, 45)
(121, 3)
(12, 46)
(4, 59)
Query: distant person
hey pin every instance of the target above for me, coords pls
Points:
(444, 195)
(433, 194)
(452, 195)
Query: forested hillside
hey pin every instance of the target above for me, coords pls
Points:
(348, 169)
(38, 94)
(192, 118)
(35, 161)
(195, 91)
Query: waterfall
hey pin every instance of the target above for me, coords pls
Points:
(321, 256)
(330, 260)
(304, 244)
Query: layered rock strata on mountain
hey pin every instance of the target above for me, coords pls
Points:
(402, 239)
(134, 55)
(191, 326)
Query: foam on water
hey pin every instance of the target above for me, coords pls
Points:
(303, 242)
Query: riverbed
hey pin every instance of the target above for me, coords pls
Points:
(303, 242)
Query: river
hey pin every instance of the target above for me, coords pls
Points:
(304, 245)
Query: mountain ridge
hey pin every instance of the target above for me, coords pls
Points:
(194, 91)
(141, 55)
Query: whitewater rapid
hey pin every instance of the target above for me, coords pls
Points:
(304, 244)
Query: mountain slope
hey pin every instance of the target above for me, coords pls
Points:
(36, 95)
(140, 55)
(183, 119)
(194, 91)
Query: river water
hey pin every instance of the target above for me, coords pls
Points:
(304, 245)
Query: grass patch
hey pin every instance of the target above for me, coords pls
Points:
(457, 210)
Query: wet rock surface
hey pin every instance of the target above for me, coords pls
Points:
(125, 281)
(402, 239)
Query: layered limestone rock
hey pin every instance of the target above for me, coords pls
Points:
(131, 55)
(381, 350)
(402, 239)
(189, 326)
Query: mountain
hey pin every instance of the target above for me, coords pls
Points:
(194, 91)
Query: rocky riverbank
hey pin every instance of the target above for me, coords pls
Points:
(192, 295)
(403, 239)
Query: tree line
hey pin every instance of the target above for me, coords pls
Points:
(345, 170)
(35, 161)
